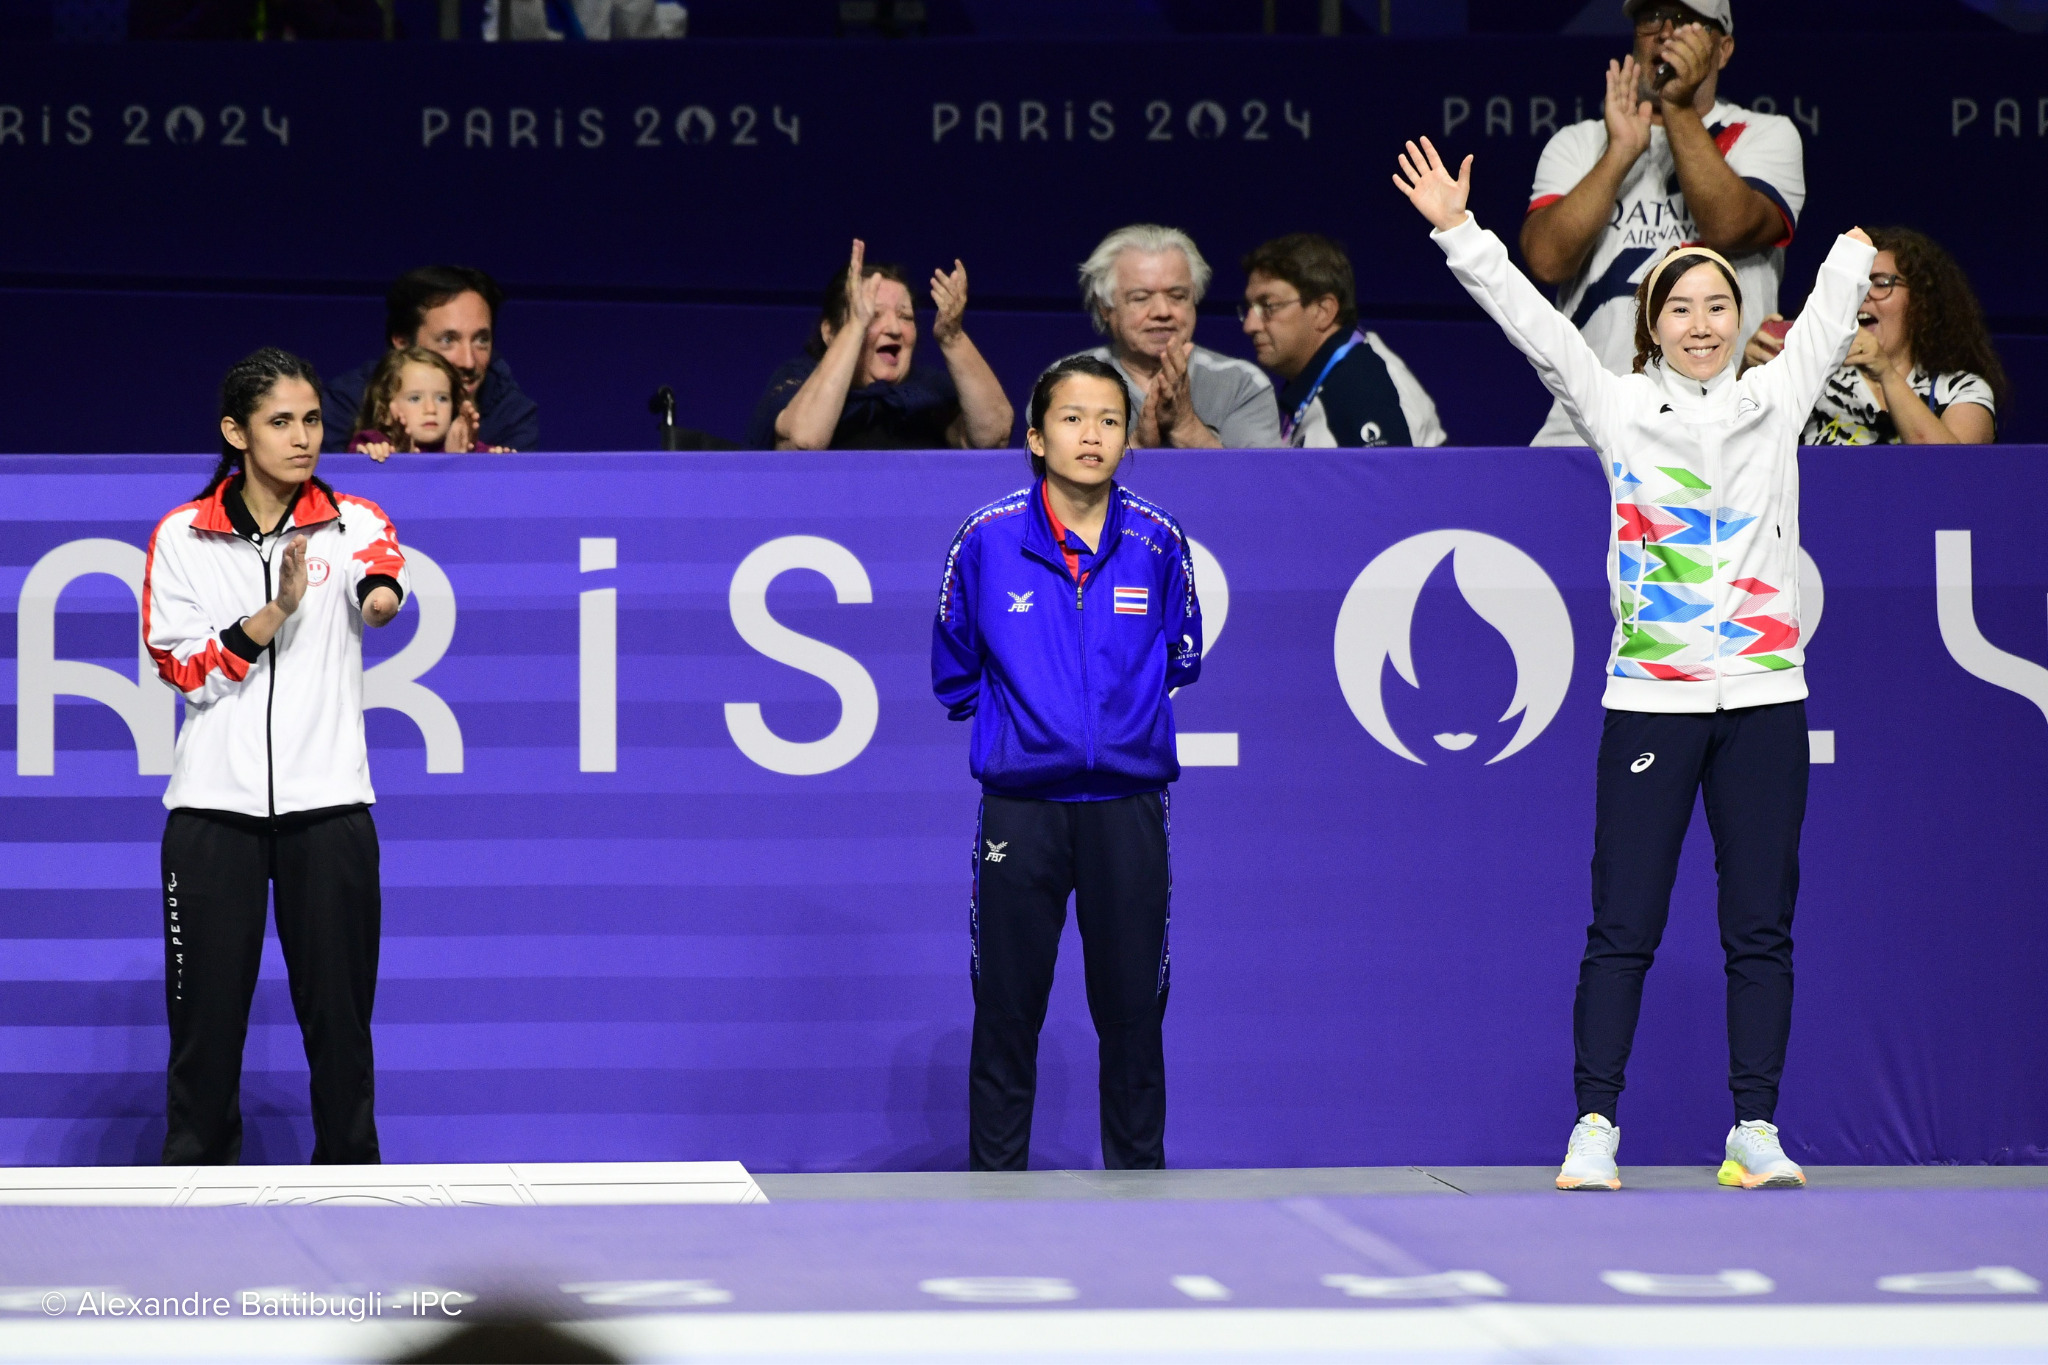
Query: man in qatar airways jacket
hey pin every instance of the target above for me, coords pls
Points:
(255, 596)
(1066, 619)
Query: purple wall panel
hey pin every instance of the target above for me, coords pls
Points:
(695, 956)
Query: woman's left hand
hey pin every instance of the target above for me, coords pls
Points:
(380, 606)
(949, 296)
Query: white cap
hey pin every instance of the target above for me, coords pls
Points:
(1719, 11)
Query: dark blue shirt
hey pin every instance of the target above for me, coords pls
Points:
(912, 415)
(1357, 404)
(510, 418)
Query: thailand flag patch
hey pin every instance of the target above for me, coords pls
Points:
(1130, 601)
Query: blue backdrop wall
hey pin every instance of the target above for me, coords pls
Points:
(651, 936)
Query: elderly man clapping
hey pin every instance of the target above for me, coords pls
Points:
(1140, 287)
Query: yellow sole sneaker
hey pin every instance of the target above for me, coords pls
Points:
(1735, 1174)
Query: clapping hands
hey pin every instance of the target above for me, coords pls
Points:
(1429, 187)
(949, 296)
(1627, 113)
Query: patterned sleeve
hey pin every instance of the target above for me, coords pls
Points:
(1960, 386)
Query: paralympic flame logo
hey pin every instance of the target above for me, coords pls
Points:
(1506, 589)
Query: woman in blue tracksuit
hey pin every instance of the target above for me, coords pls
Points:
(1066, 619)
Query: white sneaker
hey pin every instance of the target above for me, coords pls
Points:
(1589, 1161)
(1756, 1161)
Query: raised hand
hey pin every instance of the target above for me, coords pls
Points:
(1690, 54)
(291, 576)
(1857, 234)
(1429, 187)
(949, 296)
(861, 290)
(462, 431)
(1626, 111)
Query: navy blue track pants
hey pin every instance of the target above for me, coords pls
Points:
(1752, 766)
(1112, 857)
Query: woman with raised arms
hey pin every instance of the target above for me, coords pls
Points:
(1706, 682)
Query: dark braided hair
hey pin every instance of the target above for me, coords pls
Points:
(242, 392)
(1943, 320)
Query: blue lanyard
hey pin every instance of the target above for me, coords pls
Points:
(1288, 424)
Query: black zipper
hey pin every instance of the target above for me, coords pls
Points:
(270, 698)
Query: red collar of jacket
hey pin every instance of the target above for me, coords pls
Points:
(312, 507)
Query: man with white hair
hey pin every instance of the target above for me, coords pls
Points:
(1140, 286)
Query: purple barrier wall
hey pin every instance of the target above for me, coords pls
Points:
(685, 949)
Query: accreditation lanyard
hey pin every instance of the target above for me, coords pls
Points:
(1288, 424)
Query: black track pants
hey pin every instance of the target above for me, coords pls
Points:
(1752, 764)
(1112, 857)
(217, 875)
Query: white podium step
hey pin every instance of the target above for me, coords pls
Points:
(518, 1184)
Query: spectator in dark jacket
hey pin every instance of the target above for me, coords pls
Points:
(1341, 386)
(856, 386)
(452, 311)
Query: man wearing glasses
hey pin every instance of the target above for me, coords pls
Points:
(1342, 386)
(1140, 286)
(1667, 163)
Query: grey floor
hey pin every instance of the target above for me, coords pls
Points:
(1344, 1180)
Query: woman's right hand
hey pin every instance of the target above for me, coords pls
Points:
(291, 576)
(1431, 189)
(1626, 112)
(861, 291)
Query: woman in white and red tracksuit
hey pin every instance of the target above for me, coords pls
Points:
(254, 602)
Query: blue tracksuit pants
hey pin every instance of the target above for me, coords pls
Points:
(1752, 766)
(1111, 857)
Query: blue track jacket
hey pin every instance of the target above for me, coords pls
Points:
(1067, 683)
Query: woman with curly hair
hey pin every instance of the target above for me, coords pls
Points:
(1922, 370)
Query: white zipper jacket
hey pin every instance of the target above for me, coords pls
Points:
(1704, 564)
(276, 730)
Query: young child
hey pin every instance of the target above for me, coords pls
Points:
(1706, 682)
(409, 405)
(1067, 617)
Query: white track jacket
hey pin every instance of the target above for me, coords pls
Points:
(278, 730)
(1704, 563)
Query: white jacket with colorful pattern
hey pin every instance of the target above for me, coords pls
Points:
(1704, 563)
